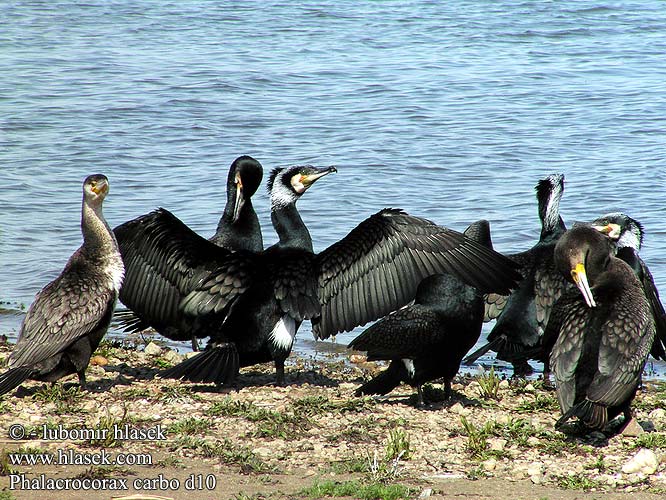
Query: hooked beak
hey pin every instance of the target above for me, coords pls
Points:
(611, 230)
(308, 180)
(100, 187)
(580, 279)
(240, 200)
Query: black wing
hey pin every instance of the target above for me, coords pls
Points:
(164, 259)
(376, 268)
(406, 333)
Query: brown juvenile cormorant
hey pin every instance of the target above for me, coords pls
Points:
(428, 339)
(152, 296)
(604, 333)
(627, 233)
(68, 318)
(523, 315)
(253, 304)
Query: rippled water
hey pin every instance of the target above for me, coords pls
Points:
(450, 110)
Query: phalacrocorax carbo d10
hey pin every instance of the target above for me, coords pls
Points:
(69, 316)
(523, 315)
(428, 339)
(604, 333)
(156, 274)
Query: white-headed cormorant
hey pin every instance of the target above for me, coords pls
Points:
(253, 304)
(155, 282)
(428, 339)
(604, 332)
(68, 318)
(627, 233)
(523, 315)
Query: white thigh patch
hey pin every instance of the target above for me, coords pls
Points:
(283, 332)
(409, 364)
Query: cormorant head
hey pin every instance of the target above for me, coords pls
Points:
(549, 192)
(582, 254)
(287, 185)
(244, 178)
(620, 228)
(95, 188)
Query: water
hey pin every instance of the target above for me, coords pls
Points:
(450, 110)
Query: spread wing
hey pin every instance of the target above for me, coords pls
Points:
(164, 259)
(376, 268)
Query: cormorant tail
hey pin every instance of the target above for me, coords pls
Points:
(11, 379)
(593, 415)
(386, 381)
(218, 364)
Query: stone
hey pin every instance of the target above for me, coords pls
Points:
(172, 356)
(152, 349)
(490, 465)
(632, 429)
(504, 384)
(658, 414)
(98, 360)
(643, 462)
(497, 444)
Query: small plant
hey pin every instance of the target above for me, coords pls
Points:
(190, 425)
(106, 428)
(650, 440)
(102, 472)
(489, 385)
(599, 464)
(5, 466)
(65, 400)
(477, 439)
(576, 482)
(397, 446)
(540, 402)
(225, 450)
(356, 489)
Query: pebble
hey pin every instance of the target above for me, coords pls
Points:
(152, 349)
(504, 384)
(644, 462)
(632, 429)
(658, 414)
(172, 356)
(490, 465)
(497, 444)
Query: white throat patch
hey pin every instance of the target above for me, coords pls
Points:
(283, 333)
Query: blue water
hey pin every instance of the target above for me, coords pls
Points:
(450, 110)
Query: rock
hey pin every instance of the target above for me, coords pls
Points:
(458, 409)
(632, 429)
(190, 354)
(358, 358)
(658, 414)
(644, 462)
(426, 493)
(98, 360)
(533, 441)
(490, 465)
(172, 356)
(504, 384)
(529, 388)
(497, 444)
(152, 349)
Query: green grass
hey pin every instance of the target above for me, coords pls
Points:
(577, 482)
(6, 495)
(489, 385)
(269, 423)
(650, 440)
(356, 489)
(477, 437)
(65, 400)
(397, 445)
(190, 425)
(540, 402)
(224, 450)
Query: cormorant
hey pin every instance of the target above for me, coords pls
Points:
(69, 316)
(523, 315)
(627, 233)
(238, 229)
(428, 339)
(604, 333)
(253, 304)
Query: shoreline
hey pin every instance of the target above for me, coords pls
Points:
(261, 441)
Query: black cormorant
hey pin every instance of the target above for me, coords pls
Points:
(238, 229)
(604, 333)
(523, 315)
(428, 339)
(627, 233)
(253, 304)
(68, 318)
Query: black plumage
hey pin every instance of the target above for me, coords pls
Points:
(603, 332)
(69, 316)
(161, 270)
(428, 339)
(627, 233)
(256, 302)
(523, 315)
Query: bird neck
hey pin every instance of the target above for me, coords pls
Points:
(290, 227)
(97, 235)
(246, 227)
